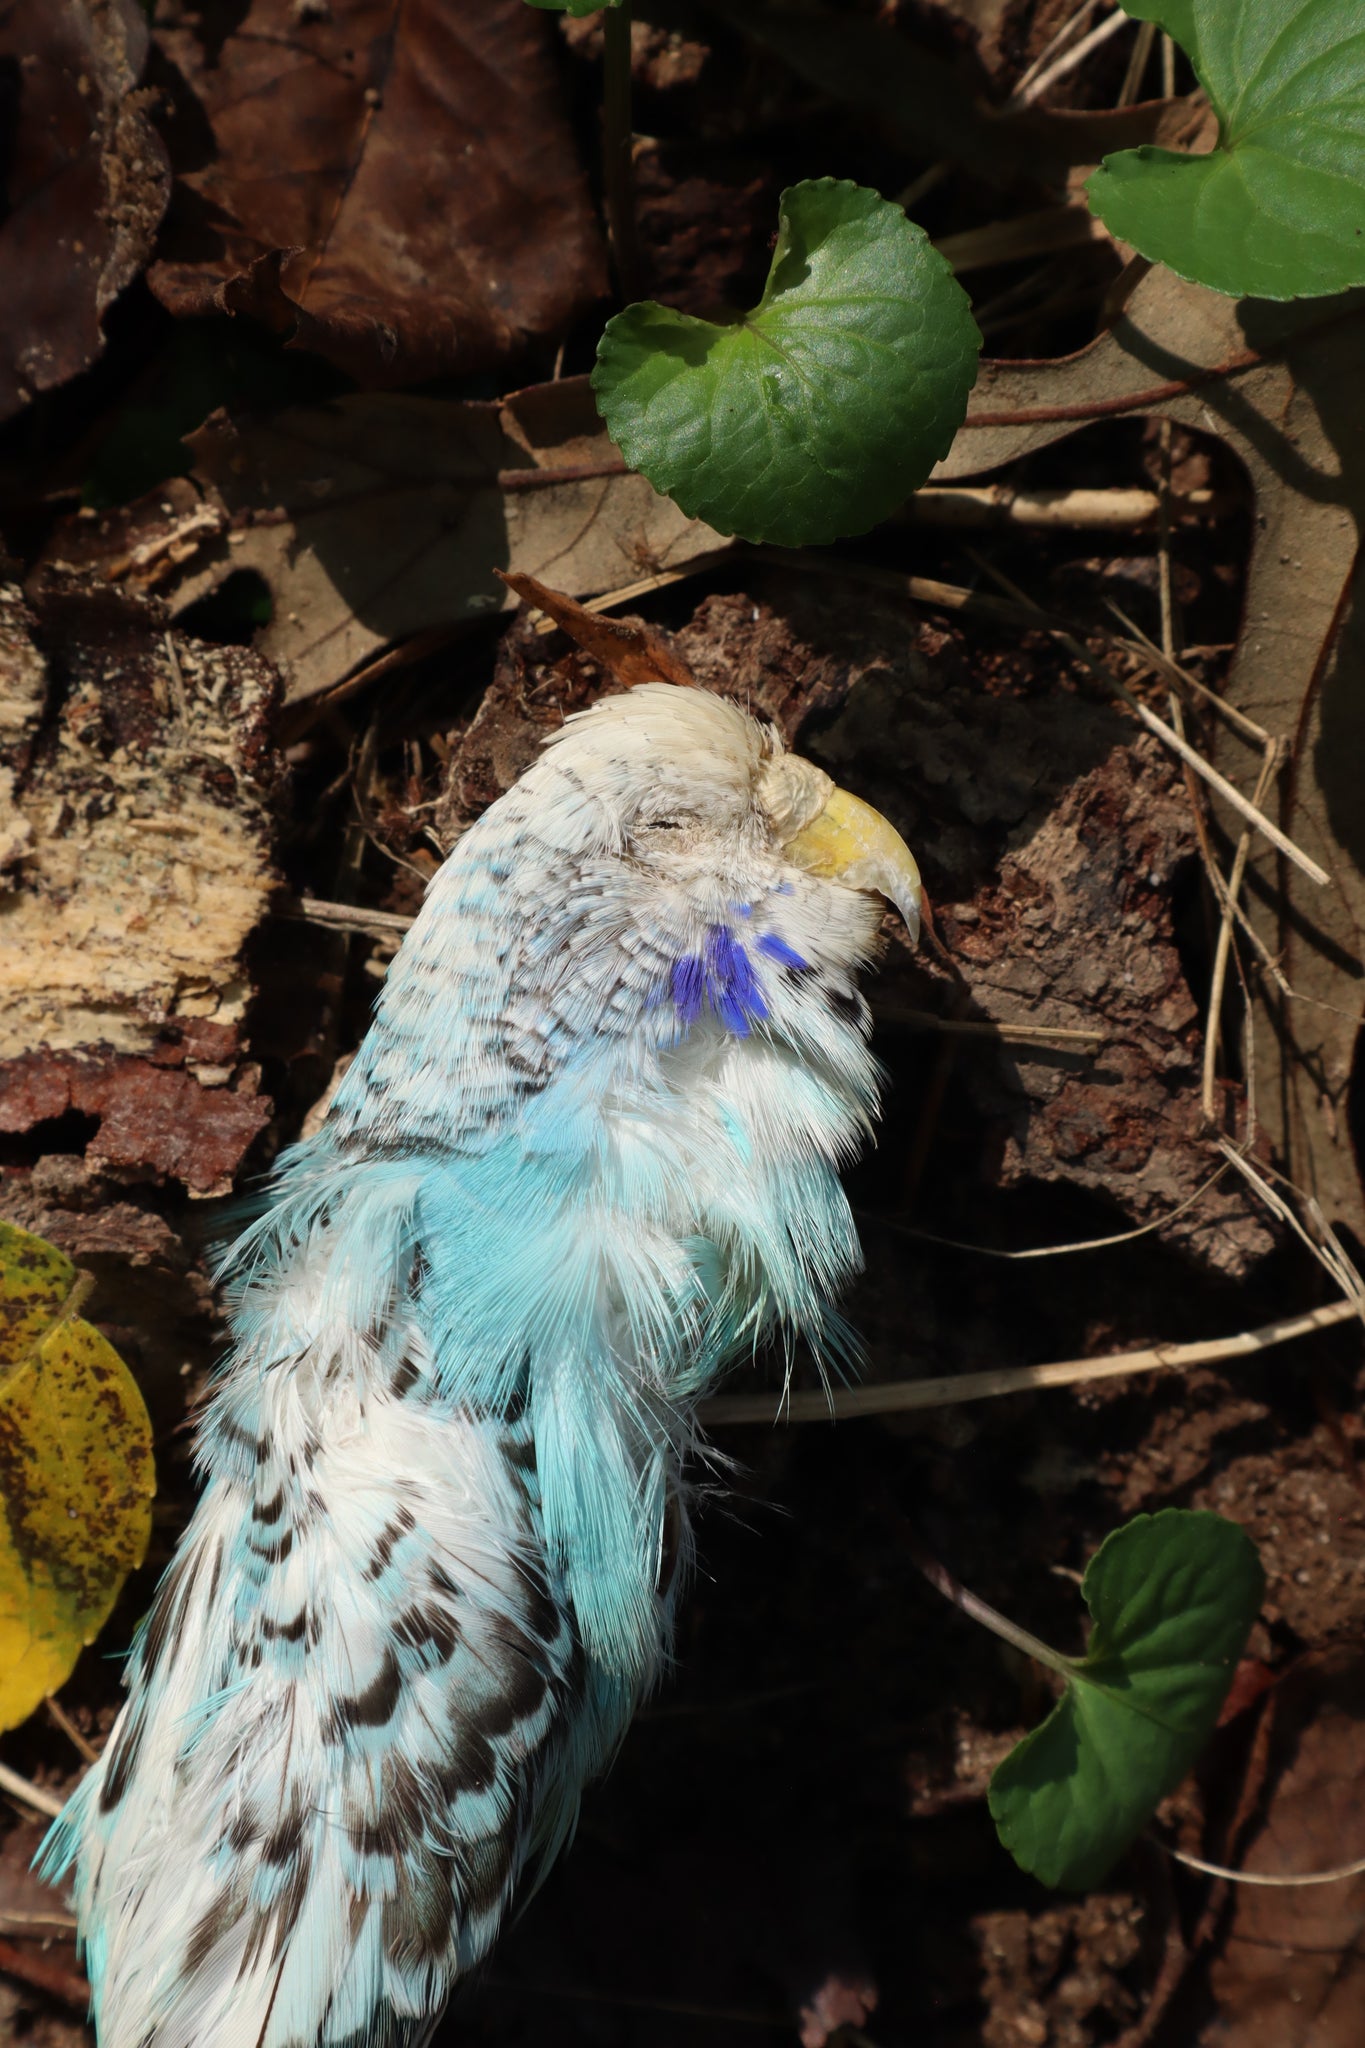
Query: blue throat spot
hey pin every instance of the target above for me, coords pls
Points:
(721, 977)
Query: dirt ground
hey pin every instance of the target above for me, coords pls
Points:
(794, 1841)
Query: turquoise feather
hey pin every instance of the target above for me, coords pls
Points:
(586, 1158)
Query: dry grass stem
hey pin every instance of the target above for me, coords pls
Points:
(1137, 64)
(628, 592)
(1003, 1034)
(1213, 1025)
(1044, 232)
(1072, 59)
(1051, 1251)
(1116, 510)
(1058, 40)
(345, 917)
(1321, 1240)
(39, 1926)
(1135, 641)
(1336, 1876)
(900, 1397)
(31, 1796)
(63, 1720)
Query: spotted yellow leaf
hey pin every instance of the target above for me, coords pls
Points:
(76, 1476)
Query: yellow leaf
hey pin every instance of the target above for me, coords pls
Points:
(76, 1475)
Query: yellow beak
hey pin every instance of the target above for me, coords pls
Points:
(847, 841)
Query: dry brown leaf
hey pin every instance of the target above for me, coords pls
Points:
(379, 517)
(1282, 387)
(424, 210)
(86, 182)
(626, 648)
(1292, 1969)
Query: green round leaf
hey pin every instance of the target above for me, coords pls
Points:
(1173, 1597)
(818, 413)
(1277, 210)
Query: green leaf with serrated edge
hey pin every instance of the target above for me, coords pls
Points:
(1277, 209)
(1172, 1597)
(819, 412)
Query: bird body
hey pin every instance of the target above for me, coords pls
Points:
(586, 1157)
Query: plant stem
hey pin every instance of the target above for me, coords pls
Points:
(942, 1581)
(618, 169)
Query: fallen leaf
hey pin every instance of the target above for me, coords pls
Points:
(86, 182)
(1291, 1971)
(76, 1477)
(1281, 386)
(626, 648)
(146, 868)
(381, 516)
(424, 213)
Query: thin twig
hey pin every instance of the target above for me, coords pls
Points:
(628, 592)
(344, 917)
(31, 1795)
(1114, 510)
(1137, 64)
(1214, 1027)
(1164, 545)
(39, 1926)
(1044, 232)
(1001, 1034)
(971, 1604)
(928, 180)
(1322, 1241)
(1255, 735)
(69, 1729)
(1046, 1251)
(1072, 59)
(899, 1397)
(927, 590)
(1059, 40)
(1262, 1877)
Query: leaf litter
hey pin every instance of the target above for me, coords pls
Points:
(341, 552)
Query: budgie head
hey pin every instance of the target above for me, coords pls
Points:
(694, 795)
(665, 875)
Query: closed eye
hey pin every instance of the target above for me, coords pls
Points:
(672, 821)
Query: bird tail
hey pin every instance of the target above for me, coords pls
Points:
(354, 1711)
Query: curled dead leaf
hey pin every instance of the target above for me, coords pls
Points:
(86, 183)
(425, 211)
